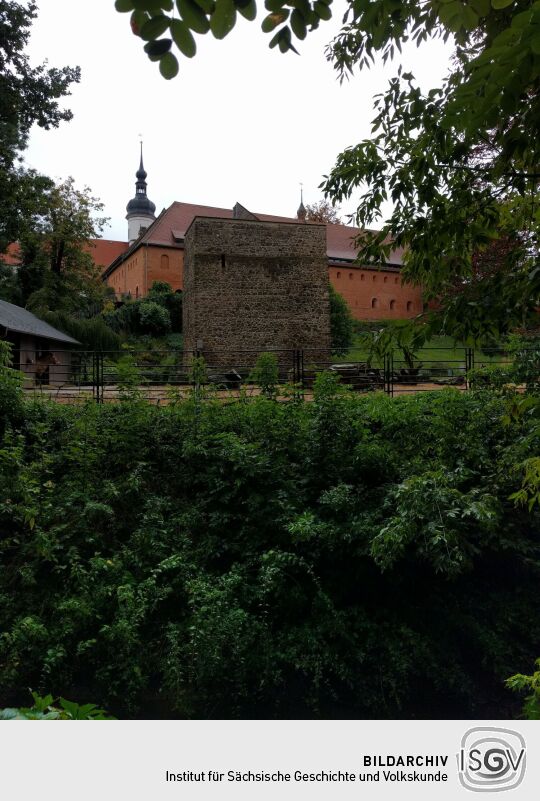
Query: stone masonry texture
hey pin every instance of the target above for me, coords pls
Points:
(252, 286)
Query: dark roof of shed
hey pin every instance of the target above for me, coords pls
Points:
(21, 321)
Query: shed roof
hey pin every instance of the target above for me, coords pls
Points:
(21, 321)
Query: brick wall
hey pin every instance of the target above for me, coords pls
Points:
(254, 286)
(145, 265)
(376, 294)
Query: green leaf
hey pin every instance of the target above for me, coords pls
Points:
(450, 10)
(247, 10)
(470, 20)
(223, 19)
(158, 48)
(155, 27)
(498, 4)
(138, 21)
(183, 38)
(273, 20)
(193, 16)
(124, 5)
(274, 40)
(535, 45)
(298, 24)
(322, 10)
(168, 66)
(482, 7)
(275, 6)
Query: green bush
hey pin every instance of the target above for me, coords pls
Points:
(93, 333)
(530, 684)
(266, 374)
(47, 708)
(354, 556)
(341, 323)
(154, 319)
(158, 314)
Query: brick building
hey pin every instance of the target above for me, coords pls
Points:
(155, 252)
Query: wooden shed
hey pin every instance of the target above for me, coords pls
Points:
(41, 352)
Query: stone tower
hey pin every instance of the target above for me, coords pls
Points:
(252, 286)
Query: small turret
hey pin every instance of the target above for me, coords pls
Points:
(140, 209)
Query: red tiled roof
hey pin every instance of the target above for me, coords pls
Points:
(105, 251)
(177, 218)
(173, 222)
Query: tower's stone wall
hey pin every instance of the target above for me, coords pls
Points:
(252, 286)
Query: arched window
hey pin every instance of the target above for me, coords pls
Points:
(374, 277)
(350, 276)
(374, 303)
(362, 276)
(396, 280)
(409, 305)
(136, 291)
(385, 279)
(392, 304)
(338, 275)
(164, 262)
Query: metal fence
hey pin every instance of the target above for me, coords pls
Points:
(160, 376)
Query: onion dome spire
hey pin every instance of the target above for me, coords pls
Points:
(141, 204)
(301, 213)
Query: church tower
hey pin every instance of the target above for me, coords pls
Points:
(140, 210)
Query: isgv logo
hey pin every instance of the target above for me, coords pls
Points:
(491, 759)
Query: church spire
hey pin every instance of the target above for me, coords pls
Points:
(301, 213)
(140, 209)
(141, 172)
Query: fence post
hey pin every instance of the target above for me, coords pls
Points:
(97, 377)
(469, 365)
(388, 373)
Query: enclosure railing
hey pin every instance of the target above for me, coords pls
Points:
(161, 375)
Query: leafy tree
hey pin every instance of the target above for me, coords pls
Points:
(341, 323)
(28, 95)
(54, 253)
(322, 212)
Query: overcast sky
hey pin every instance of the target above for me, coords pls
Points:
(241, 122)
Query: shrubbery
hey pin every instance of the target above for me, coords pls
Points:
(341, 323)
(354, 556)
(158, 314)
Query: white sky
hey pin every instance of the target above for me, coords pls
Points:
(241, 122)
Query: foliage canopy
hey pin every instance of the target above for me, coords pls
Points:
(353, 555)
